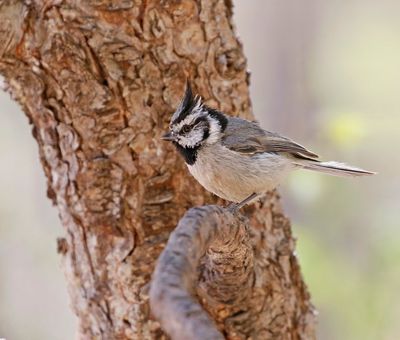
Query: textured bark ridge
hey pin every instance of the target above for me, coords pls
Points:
(99, 80)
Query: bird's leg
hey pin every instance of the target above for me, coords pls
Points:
(234, 207)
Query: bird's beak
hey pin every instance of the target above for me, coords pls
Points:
(169, 136)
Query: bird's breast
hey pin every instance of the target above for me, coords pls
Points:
(234, 176)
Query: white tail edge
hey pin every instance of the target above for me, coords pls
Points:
(334, 168)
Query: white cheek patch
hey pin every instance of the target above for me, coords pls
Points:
(194, 138)
(215, 130)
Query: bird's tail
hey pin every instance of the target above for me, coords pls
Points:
(333, 168)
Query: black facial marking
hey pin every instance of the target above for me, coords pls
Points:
(206, 126)
(189, 154)
(206, 133)
(199, 120)
(219, 116)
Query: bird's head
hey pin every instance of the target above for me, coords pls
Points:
(194, 124)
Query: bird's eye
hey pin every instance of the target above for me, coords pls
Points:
(186, 129)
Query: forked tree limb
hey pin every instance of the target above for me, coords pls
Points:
(209, 266)
(210, 253)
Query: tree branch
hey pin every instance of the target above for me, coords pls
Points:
(210, 254)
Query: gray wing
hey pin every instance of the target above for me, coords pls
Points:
(249, 138)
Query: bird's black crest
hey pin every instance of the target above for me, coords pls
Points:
(186, 106)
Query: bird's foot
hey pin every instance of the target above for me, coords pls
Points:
(235, 207)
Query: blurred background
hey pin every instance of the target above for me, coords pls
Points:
(325, 73)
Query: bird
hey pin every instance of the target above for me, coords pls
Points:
(237, 159)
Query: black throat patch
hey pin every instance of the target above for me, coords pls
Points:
(189, 154)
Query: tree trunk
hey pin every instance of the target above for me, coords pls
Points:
(99, 80)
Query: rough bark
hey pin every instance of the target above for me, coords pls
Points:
(216, 256)
(99, 80)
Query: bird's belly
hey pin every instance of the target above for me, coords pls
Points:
(235, 177)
